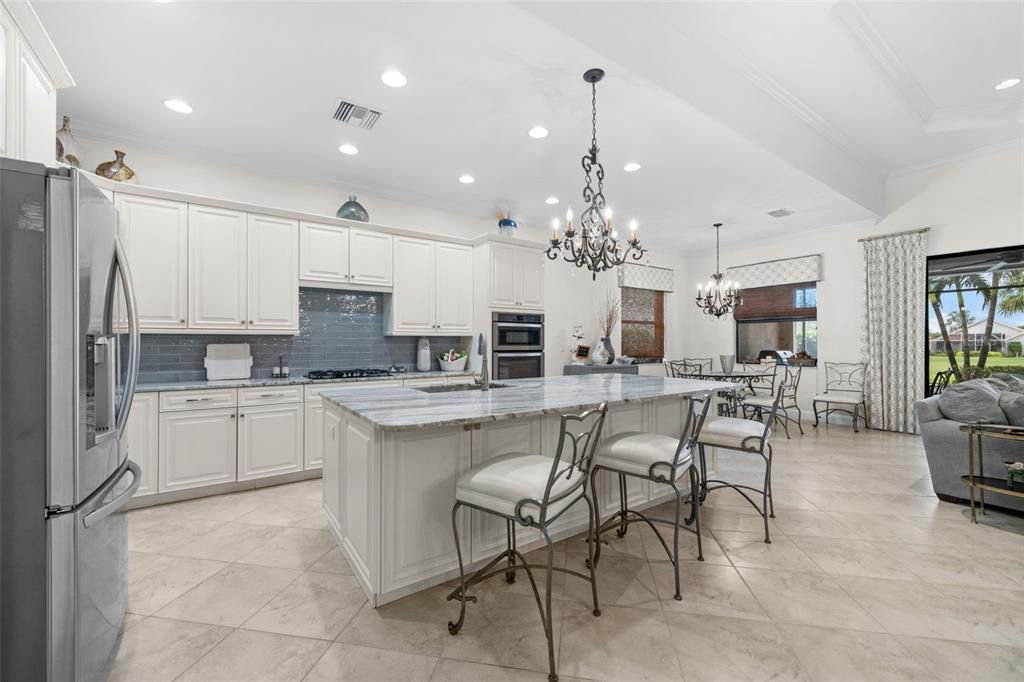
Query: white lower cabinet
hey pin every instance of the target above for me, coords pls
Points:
(269, 440)
(197, 448)
(313, 447)
(140, 441)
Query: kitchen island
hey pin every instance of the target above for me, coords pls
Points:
(392, 457)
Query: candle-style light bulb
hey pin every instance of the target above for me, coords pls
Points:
(608, 217)
(554, 229)
(632, 230)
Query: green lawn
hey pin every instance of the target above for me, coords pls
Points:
(938, 363)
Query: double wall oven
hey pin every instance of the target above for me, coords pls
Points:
(518, 345)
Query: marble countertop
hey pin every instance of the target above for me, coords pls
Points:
(394, 408)
(290, 381)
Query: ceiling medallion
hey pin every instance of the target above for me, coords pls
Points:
(595, 245)
(721, 297)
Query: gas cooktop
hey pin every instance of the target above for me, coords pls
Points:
(352, 373)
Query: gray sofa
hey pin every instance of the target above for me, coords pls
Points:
(946, 446)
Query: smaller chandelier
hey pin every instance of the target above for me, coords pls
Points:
(595, 245)
(720, 297)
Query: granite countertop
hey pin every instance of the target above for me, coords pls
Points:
(394, 408)
(165, 386)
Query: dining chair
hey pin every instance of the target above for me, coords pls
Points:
(844, 392)
(757, 405)
(697, 366)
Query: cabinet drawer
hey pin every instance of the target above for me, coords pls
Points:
(313, 391)
(269, 395)
(197, 400)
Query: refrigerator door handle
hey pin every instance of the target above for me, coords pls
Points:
(96, 515)
(134, 338)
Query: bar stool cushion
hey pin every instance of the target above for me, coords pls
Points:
(633, 452)
(732, 432)
(840, 398)
(500, 483)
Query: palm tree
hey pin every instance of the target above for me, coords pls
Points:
(938, 285)
(990, 292)
(1012, 300)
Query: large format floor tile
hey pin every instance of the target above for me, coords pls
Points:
(868, 577)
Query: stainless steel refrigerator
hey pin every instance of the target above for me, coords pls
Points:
(69, 346)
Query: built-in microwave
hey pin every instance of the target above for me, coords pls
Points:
(517, 332)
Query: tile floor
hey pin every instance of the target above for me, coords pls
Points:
(869, 577)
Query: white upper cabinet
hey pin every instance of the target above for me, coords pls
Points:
(530, 277)
(217, 268)
(503, 275)
(371, 261)
(273, 246)
(414, 298)
(516, 276)
(323, 253)
(454, 284)
(31, 71)
(433, 292)
(154, 233)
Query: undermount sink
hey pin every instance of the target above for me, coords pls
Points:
(451, 388)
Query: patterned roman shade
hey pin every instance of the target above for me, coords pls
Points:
(785, 271)
(645, 277)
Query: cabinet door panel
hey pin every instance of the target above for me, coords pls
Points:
(323, 252)
(313, 444)
(414, 297)
(216, 268)
(332, 432)
(197, 448)
(503, 275)
(371, 260)
(269, 440)
(454, 286)
(530, 277)
(36, 102)
(154, 233)
(273, 245)
(140, 441)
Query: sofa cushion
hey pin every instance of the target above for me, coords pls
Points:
(1014, 382)
(1012, 405)
(971, 401)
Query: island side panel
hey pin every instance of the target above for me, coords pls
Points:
(490, 440)
(419, 470)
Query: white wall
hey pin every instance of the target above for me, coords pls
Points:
(972, 204)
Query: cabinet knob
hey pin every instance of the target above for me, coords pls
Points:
(241, 416)
(232, 416)
(250, 322)
(182, 321)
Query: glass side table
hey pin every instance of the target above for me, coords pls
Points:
(976, 434)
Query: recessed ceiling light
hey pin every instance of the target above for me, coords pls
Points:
(1008, 83)
(551, 201)
(178, 106)
(537, 132)
(348, 149)
(393, 78)
(467, 179)
(631, 166)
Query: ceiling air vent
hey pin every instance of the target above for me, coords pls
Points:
(780, 213)
(356, 114)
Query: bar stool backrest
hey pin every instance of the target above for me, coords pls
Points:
(845, 377)
(696, 415)
(573, 461)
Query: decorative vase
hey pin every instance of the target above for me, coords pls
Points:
(67, 145)
(116, 170)
(728, 363)
(353, 210)
(609, 351)
(507, 226)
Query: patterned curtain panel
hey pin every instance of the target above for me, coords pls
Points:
(894, 285)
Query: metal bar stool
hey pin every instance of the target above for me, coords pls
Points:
(844, 386)
(659, 459)
(743, 435)
(532, 490)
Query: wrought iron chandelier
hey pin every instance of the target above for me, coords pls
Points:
(721, 296)
(595, 245)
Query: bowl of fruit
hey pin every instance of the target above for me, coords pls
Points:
(452, 360)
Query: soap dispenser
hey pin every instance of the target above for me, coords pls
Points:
(423, 355)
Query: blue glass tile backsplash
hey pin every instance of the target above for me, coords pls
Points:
(337, 330)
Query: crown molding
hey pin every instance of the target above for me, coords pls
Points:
(855, 19)
(956, 158)
(38, 40)
(980, 116)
